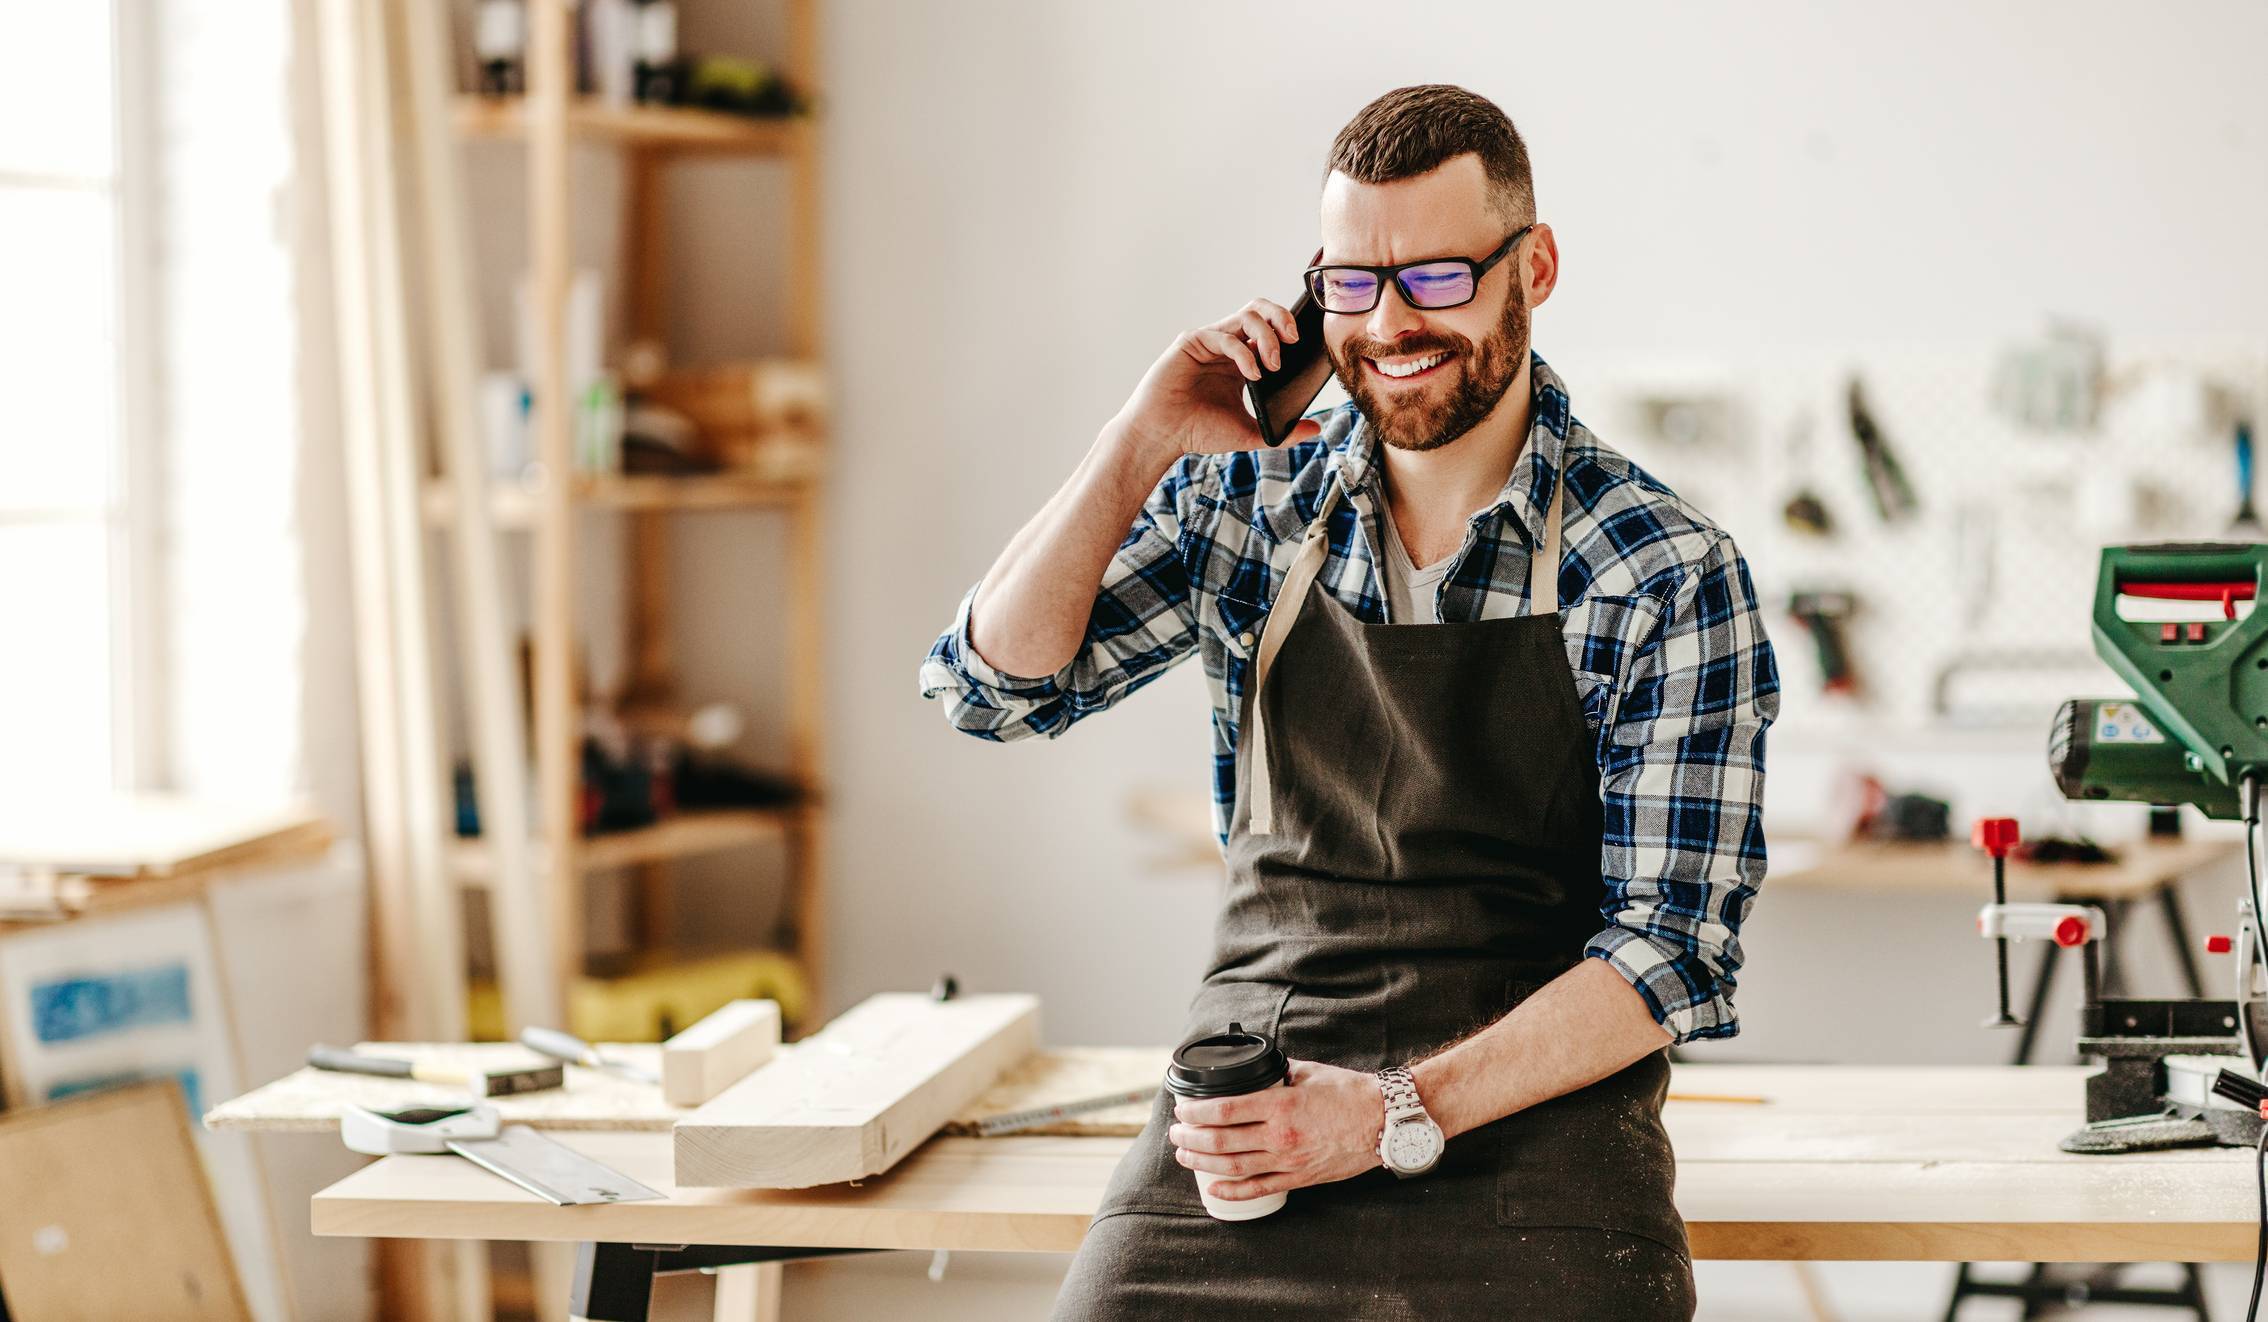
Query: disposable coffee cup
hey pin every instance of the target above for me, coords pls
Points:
(1228, 1064)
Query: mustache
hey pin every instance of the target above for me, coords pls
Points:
(1359, 347)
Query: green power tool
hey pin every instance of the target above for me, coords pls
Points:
(2198, 723)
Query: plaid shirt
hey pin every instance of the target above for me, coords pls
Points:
(1660, 620)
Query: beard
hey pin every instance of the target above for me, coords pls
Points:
(1439, 412)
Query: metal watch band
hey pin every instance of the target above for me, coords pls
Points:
(1401, 1093)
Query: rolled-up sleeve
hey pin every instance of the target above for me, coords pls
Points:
(1143, 621)
(1682, 785)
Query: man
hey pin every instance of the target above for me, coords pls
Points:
(1489, 707)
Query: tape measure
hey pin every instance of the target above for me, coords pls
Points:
(417, 1129)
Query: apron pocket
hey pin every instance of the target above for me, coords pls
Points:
(1597, 1157)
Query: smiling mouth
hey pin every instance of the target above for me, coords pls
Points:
(1418, 367)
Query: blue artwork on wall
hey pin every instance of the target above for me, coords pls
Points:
(91, 1005)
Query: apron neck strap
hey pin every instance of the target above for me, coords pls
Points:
(1281, 614)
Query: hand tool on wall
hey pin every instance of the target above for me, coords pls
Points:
(562, 1045)
(1822, 615)
(1805, 511)
(503, 1082)
(1886, 482)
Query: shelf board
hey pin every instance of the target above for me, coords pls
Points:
(513, 504)
(683, 836)
(670, 127)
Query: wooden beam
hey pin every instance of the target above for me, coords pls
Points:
(434, 902)
(857, 1096)
(719, 1052)
(550, 82)
(395, 999)
(521, 916)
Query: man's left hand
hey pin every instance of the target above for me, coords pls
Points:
(1325, 1126)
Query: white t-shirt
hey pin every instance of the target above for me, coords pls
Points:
(1412, 593)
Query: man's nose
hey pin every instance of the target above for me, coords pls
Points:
(1393, 317)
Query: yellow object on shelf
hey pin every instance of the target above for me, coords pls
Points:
(662, 997)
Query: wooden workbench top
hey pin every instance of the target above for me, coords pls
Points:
(2141, 867)
(1840, 1162)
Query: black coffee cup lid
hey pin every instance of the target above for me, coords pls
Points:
(1224, 1064)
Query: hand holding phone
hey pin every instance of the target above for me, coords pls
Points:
(1204, 394)
(1282, 394)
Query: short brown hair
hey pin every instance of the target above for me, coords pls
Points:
(1412, 130)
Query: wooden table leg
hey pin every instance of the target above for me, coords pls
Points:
(750, 1293)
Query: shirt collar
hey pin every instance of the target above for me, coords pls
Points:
(1526, 494)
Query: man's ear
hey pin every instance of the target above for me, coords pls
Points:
(1539, 264)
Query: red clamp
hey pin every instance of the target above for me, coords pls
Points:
(1994, 835)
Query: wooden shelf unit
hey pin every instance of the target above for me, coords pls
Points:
(684, 835)
(513, 504)
(548, 121)
(672, 128)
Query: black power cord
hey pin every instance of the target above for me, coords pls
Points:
(2259, 952)
(2260, 1245)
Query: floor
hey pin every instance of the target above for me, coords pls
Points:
(1008, 1287)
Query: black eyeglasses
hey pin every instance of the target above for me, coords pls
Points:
(1439, 282)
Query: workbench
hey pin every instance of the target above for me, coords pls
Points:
(1912, 1163)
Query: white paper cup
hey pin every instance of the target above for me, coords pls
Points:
(1235, 1209)
(1235, 1063)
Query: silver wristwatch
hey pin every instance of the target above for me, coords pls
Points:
(1412, 1143)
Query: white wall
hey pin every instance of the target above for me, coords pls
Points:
(1026, 202)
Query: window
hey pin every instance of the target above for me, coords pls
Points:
(71, 715)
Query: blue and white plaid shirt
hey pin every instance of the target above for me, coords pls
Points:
(1660, 620)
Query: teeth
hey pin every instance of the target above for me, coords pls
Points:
(1411, 368)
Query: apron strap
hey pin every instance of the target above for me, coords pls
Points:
(1543, 598)
(1312, 551)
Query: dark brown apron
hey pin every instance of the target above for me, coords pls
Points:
(1416, 849)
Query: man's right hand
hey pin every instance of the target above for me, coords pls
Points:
(1192, 399)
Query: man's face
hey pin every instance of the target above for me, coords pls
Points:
(1442, 213)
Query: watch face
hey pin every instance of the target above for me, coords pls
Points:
(1413, 1145)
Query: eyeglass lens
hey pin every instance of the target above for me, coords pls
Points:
(1433, 285)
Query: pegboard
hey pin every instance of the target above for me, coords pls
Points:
(1973, 612)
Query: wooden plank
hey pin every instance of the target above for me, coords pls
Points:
(152, 835)
(108, 1213)
(437, 952)
(550, 79)
(385, 834)
(308, 1101)
(858, 1095)
(719, 1051)
(521, 924)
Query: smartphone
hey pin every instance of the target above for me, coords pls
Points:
(1280, 397)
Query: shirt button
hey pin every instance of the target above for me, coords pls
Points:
(1245, 638)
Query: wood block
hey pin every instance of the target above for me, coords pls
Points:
(718, 1052)
(858, 1095)
(107, 1213)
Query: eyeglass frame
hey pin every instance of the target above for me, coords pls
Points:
(1393, 275)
